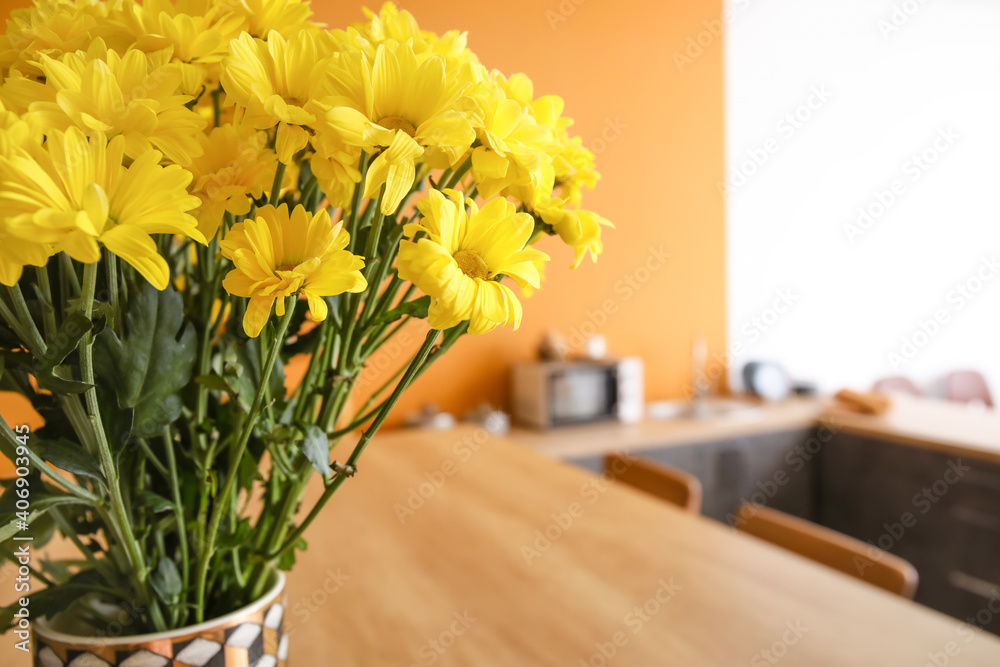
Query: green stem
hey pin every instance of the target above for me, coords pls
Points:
(48, 308)
(153, 458)
(366, 437)
(69, 272)
(70, 534)
(113, 290)
(234, 465)
(15, 325)
(457, 176)
(380, 272)
(122, 522)
(217, 107)
(175, 488)
(73, 489)
(354, 221)
(28, 324)
(279, 177)
(304, 390)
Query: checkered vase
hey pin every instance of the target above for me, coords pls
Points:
(251, 637)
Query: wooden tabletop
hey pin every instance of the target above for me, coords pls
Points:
(457, 548)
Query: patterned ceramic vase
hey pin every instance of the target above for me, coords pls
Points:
(249, 637)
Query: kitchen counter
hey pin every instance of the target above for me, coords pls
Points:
(600, 438)
(920, 422)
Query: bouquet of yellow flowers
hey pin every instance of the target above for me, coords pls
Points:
(174, 176)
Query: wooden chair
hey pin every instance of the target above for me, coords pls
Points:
(896, 385)
(836, 550)
(967, 387)
(670, 484)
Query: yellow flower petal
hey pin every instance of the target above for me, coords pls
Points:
(138, 249)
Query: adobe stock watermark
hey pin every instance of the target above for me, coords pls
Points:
(922, 502)
(785, 130)
(384, 358)
(901, 14)
(562, 522)
(634, 621)
(957, 298)
(560, 13)
(912, 170)
(772, 655)
(304, 608)
(433, 481)
(966, 631)
(796, 461)
(750, 332)
(432, 650)
(625, 288)
(711, 32)
(609, 134)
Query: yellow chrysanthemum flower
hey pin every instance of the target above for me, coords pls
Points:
(459, 262)
(572, 163)
(101, 92)
(55, 27)
(578, 228)
(237, 164)
(15, 253)
(74, 194)
(193, 34)
(278, 83)
(572, 168)
(400, 105)
(391, 24)
(260, 17)
(277, 255)
(514, 149)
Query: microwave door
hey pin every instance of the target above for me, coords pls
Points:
(580, 395)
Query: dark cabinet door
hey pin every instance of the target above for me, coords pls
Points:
(768, 469)
(772, 470)
(941, 512)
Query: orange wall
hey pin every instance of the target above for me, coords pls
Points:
(613, 63)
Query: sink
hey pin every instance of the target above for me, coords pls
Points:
(709, 408)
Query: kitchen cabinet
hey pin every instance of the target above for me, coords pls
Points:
(939, 511)
(771, 469)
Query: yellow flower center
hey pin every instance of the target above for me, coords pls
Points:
(472, 264)
(397, 123)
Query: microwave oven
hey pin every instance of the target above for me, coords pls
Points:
(549, 394)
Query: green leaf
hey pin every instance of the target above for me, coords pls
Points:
(58, 385)
(152, 362)
(68, 337)
(248, 375)
(166, 580)
(71, 457)
(213, 381)
(416, 309)
(38, 509)
(156, 502)
(316, 447)
(238, 537)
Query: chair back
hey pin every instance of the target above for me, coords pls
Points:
(967, 387)
(836, 550)
(896, 385)
(669, 484)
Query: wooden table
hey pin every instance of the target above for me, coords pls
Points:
(433, 555)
